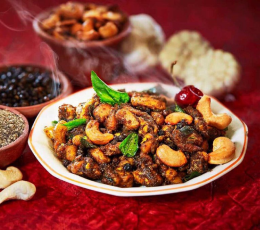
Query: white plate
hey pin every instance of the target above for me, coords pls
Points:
(43, 151)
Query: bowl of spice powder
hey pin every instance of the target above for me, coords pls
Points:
(14, 130)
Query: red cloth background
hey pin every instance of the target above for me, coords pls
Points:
(231, 202)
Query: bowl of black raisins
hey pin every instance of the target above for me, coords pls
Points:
(28, 88)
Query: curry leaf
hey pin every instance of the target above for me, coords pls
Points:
(178, 109)
(75, 123)
(187, 130)
(84, 141)
(53, 123)
(129, 145)
(107, 94)
(192, 175)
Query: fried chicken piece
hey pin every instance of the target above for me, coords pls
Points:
(201, 126)
(110, 177)
(151, 101)
(67, 112)
(214, 133)
(158, 118)
(111, 121)
(84, 110)
(124, 169)
(198, 163)
(91, 169)
(185, 145)
(110, 149)
(59, 134)
(192, 112)
(101, 112)
(149, 144)
(99, 156)
(147, 177)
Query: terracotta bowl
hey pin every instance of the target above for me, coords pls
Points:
(32, 110)
(77, 58)
(9, 153)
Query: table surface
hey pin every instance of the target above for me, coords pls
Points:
(231, 202)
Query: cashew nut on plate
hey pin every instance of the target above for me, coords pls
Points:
(171, 157)
(220, 121)
(9, 176)
(95, 136)
(176, 117)
(142, 46)
(21, 190)
(223, 151)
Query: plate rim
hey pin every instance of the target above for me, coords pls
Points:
(114, 190)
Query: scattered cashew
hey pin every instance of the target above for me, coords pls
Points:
(220, 121)
(95, 136)
(171, 157)
(21, 190)
(108, 30)
(176, 117)
(223, 151)
(127, 118)
(9, 176)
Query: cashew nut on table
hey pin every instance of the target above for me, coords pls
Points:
(21, 190)
(9, 176)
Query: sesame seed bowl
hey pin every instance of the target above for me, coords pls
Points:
(9, 152)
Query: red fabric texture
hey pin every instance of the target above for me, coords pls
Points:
(231, 202)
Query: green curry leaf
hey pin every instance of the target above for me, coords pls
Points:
(191, 176)
(129, 145)
(75, 123)
(107, 94)
(178, 109)
(84, 141)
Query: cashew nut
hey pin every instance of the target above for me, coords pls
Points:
(95, 136)
(108, 30)
(127, 118)
(87, 35)
(171, 157)
(88, 25)
(223, 151)
(176, 117)
(9, 176)
(21, 190)
(220, 121)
